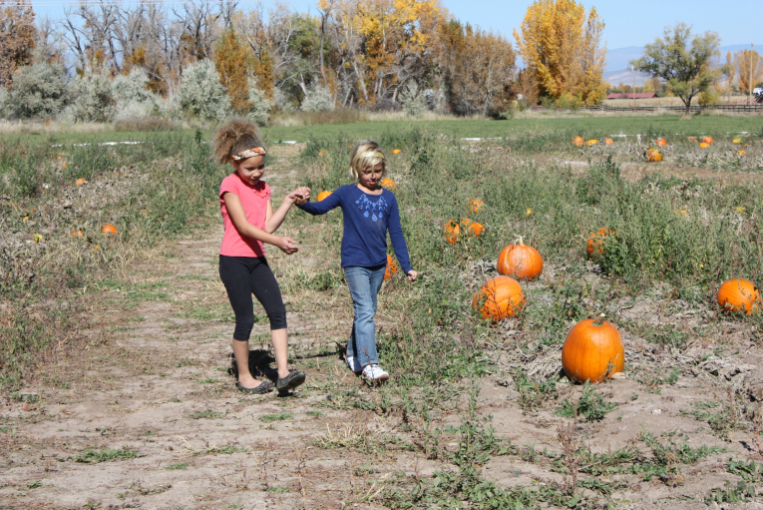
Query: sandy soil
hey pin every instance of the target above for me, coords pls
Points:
(155, 379)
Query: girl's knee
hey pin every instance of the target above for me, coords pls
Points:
(243, 329)
(277, 318)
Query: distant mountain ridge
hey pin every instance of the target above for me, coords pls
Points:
(618, 68)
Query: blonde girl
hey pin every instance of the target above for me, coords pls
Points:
(369, 211)
(249, 222)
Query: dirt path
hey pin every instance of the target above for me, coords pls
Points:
(147, 416)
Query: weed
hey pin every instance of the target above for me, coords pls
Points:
(532, 394)
(276, 417)
(177, 467)
(590, 406)
(92, 456)
(206, 414)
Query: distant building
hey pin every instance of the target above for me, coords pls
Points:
(637, 95)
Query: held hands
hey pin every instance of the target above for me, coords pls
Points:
(299, 196)
(287, 245)
(412, 275)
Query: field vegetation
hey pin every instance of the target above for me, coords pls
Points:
(482, 407)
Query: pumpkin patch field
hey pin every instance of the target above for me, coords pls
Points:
(584, 333)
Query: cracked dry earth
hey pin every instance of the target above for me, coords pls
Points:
(152, 383)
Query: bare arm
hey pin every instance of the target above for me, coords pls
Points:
(238, 216)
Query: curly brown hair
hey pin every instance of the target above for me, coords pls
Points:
(234, 137)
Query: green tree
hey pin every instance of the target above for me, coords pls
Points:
(687, 70)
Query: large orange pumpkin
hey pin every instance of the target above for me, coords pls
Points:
(391, 268)
(593, 351)
(389, 184)
(578, 140)
(454, 231)
(520, 261)
(109, 230)
(739, 295)
(661, 142)
(499, 298)
(475, 204)
(595, 246)
(323, 195)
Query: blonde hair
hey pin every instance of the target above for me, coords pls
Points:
(367, 154)
(235, 137)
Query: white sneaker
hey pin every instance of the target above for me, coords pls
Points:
(354, 363)
(374, 374)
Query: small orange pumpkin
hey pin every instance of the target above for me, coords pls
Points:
(738, 295)
(389, 184)
(593, 351)
(707, 139)
(475, 204)
(454, 230)
(109, 230)
(595, 245)
(81, 181)
(472, 227)
(520, 261)
(76, 233)
(704, 145)
(396, 151)
(578, 140)
(391, 268)
(692, 139)
(499, 298)
(742, 153)
(323, 195)
(592, 142)
(609, 141)
(654, 155)
(661, 142)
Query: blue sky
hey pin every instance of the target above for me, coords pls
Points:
(628, 23)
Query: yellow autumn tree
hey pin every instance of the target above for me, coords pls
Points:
(561, 46)
(748, 63)
(234, 61)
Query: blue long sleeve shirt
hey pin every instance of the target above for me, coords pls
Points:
(366, 221)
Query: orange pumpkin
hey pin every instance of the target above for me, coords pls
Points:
(578, 140)
(454, 231)
(391, 268)
(609, 141)
(739, 295)
(475, 204)
(742, 153)
(592, 142)
(396, 151)
(76, 233)
(109, 230)
(707, 139)
(389, 184)
(323, 195)
(595, 246)
(661, 142)
(499, 298)
(520, 261)
(654, 154)
(81, 181)
(692, 139)
(704, 145)
(593, 351)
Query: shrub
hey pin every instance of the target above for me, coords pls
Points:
(38, 90)
(259, 111)
(201, 94)
(133, 99)
(93, 99)
(413, 103)
(317, 99)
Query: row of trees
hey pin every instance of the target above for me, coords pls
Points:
(378, 54)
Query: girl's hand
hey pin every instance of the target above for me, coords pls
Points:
(299, 196)
(287, 245)
(412, 275)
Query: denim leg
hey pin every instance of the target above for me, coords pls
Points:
(364, 284)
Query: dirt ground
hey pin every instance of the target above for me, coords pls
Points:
(154, 380)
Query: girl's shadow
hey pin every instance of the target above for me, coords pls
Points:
(259, 365)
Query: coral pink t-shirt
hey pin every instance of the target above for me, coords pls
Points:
(255, 199)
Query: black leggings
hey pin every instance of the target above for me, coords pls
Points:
(243, 276)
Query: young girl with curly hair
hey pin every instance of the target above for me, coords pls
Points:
(249, 222)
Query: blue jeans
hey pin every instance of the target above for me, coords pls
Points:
(364, 283)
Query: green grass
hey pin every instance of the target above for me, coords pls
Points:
(93, 456)
(276, 417)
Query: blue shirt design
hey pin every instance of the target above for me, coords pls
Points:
(367, 218)
(374, 208)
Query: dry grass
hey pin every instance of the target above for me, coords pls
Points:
(668, 101)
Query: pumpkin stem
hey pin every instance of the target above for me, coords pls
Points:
(518, 240)
(599, 320)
